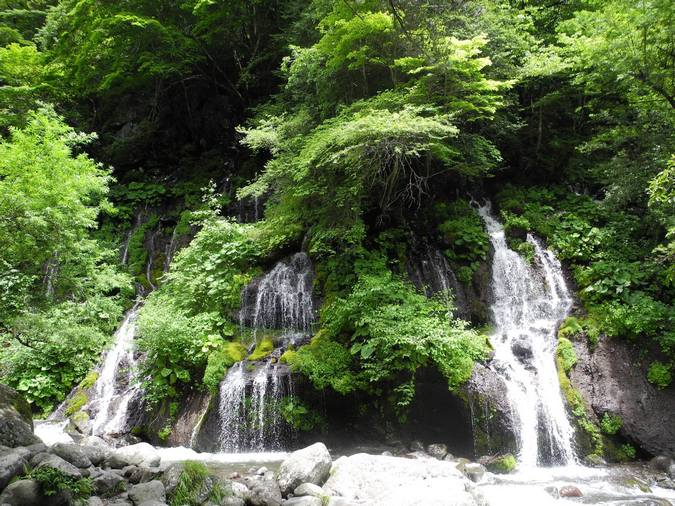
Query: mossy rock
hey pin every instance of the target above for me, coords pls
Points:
(76, 402)
(89, 380)
(263, 349)
(502, 464)
(288, 356)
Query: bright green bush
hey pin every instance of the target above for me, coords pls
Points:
(263, 349)
(52, 481)
(299, 416)
(610, 423)
(219, 361)
(566, 354)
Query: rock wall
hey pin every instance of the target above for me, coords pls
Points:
(613, 379)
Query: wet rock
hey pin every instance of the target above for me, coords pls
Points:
(500, 464)
(56, 462)
(416, 446)
(437, 450)
(522, 349)
(570, 491)
(594, 460)
(16, 420)
(449, 457)
(552, 491)
(660, 463)
(308, 489)
(391, 481)
(416, 455)
(70, 452)
(11, 465)
(144, 492)
(474, 471)
(108, 483)
(140, 454)
(309, 465)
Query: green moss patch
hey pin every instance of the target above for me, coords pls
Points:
(263, 349)
(220, 361)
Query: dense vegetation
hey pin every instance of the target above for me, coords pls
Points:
(245, 130)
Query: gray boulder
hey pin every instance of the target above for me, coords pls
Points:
(263, 492)
(171, 477)
(94, 501)
(108, 483)
(474, 471)
(153, 503)
(12, 464)
(308, 489)
(140, 454)
(145, 474)
(151, 491)
(377, 480)
(73, 453)
(437, 450)
(96, 454)
(660, 463)
(22, 493)
(309, 465)
(95, 441)
(56, 462)
(115, 460)
(16, 421)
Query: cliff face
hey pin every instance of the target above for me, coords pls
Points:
(613, 379)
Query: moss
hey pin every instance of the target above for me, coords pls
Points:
(610, 423)
(219, 361)
(89, 380)
(80, 417)
(570, 328)
(566, 354)
(263, 349)
(503, 465)
(164, 434)
(288, 356)
(659, 374)
(75, 403)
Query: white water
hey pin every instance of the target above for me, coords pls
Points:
(232, 408)
(52, 431)
(529, 303)
(112, 404)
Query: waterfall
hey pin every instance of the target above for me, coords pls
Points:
(114, 388)
(529, 303)
(170, 250)
(282, 299)
(250, 402)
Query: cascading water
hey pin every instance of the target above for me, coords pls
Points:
(250, 402)
(114, 388)
(529, 302)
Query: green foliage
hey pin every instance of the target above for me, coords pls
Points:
(567, 357)
(190, 482)
(263, 349)
(659, 374)
(52, 481)
(219, 361)
(610, 423)
(504, 464)
(299, 416)
(462, 233)
(627, 452)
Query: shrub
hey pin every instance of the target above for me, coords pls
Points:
(52, 481)
(570, 328)
(626, 452)
(300, 416)
(566, 354)
(610, 423)
(659, 374)
(190, 482)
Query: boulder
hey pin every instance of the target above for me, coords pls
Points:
(309, 465)
(16, 421)
(12, 464)
(56, 462)
(144, 492)
(308, 489)
(95, 441)
(140, 454)
(171, 477)
(437, 450)
(94, 501)
(96, 454)
(416, 446)
(377, 480)
(570, 491)
(115, 460)
(303, 501)
(145, 474)
(29, 493)
(474, 471)
(152, 503)
(108, 483)
(660, 463)
(73, 453)
(34, 449)
(263, 492)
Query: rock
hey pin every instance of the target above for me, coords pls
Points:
(56, 462)
(95, 441)
(660, 463)
(145, 474)
(308, 489)
(171, 477)
(594, 460)
(570, 491)
(140, 454)
(232, 501)
(552, 491)
(16, 420)
(671, 471)
(386, 453)
(239, 490)
(96, 454)
(309, 465)
(72, 453)
(500, 464)
(416, 455)
(609, 380)
(449, 457)
(391, 481)
(522, 349)
(437, 450)
(263, 492)
(474, 471)
(109, 484)
(11, 465)
(151, 491)
(339, 501)
(115, 460)
(234, 475)
(119, 502)
(261, 471)
(153, 503)
(416, 446)
(23, 493)
(303, 501)
(95, 501)
(36, 448)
